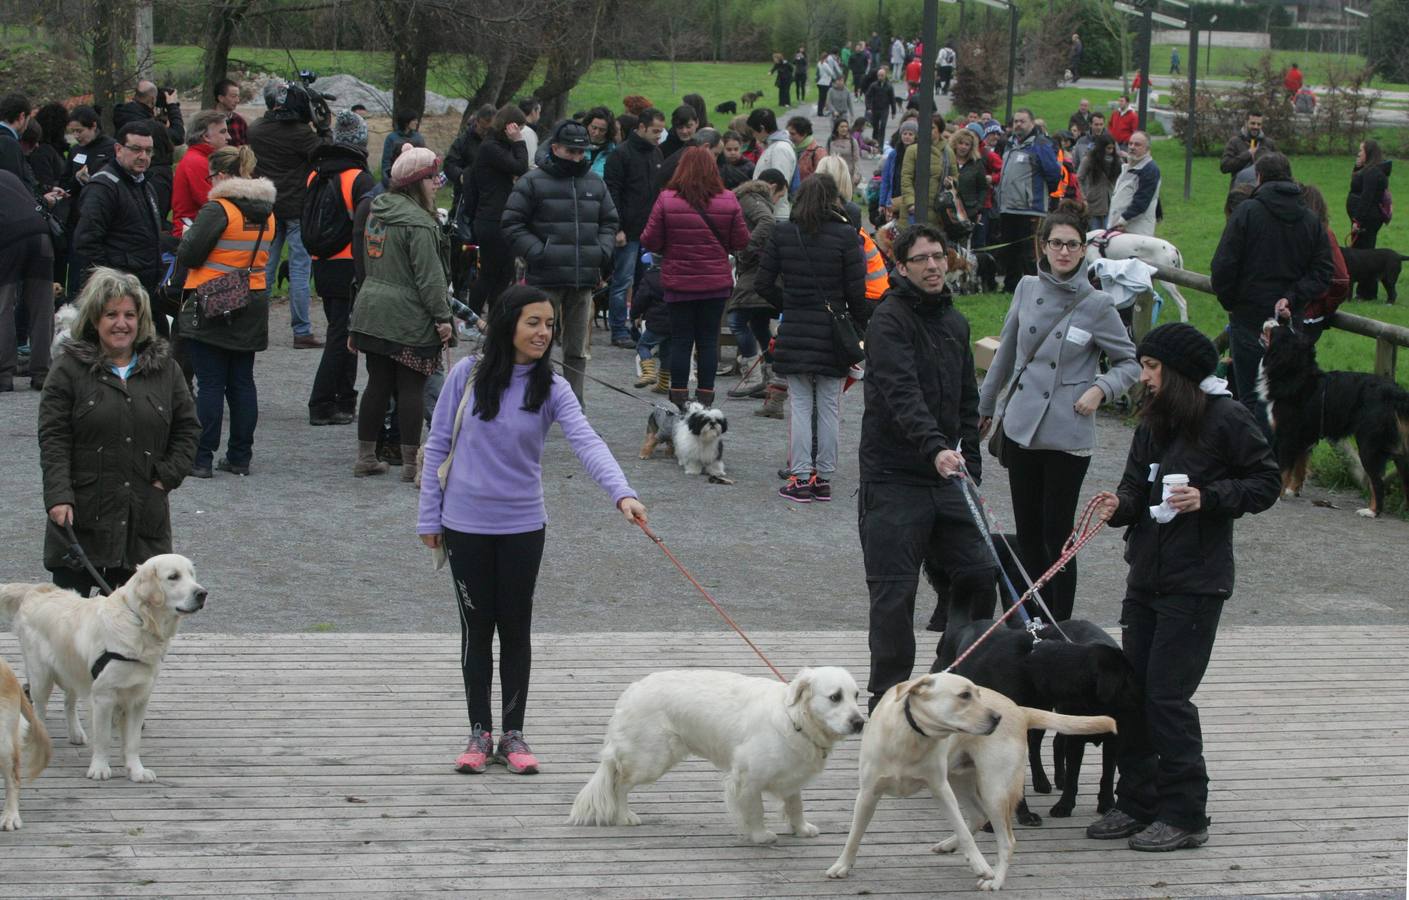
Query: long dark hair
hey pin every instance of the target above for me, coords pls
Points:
(1176, 409)
(1107, 166)
(495, 366)
(815, 204)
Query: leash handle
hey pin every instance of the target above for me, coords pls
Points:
(77, 550)
(712, 602)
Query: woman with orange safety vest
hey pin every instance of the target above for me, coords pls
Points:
(230, 235)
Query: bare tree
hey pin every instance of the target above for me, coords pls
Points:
(222, 20)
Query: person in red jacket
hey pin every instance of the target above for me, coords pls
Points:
(695, 223)
(190, 187)
(1292, 81)
(1123, 122)
(913, 71)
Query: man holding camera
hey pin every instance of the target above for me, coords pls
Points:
(160, 108)
(283, 142)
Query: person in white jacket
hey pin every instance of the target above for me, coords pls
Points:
(778, 153)
(1135, 196)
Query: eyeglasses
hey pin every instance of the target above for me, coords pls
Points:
(140, 151)
(924, 259)
(1069, 246)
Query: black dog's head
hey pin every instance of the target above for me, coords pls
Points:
(1114, 677)
(1289, 355)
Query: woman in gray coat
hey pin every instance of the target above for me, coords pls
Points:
(1056, 329)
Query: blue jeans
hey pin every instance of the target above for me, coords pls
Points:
(750, 328)
(1095, 222)
(223, 375)
(300, 268)
(649, 340)
(623, 274)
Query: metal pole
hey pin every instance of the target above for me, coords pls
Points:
(1146, 26)
(963, 9)
(1190, 123)
(1012, 58)
(930, 36)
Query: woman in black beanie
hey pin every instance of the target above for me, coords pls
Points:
(1197, 462)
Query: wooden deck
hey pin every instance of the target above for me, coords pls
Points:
(320, 764)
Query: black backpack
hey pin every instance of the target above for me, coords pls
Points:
(326, 224)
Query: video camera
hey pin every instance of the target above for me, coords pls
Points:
(310, 105)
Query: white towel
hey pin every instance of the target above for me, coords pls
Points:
(1124, 279)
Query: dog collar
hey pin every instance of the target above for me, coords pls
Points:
(107, 657)
(910, 720)
(798, 728)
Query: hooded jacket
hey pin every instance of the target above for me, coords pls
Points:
(403, 296)
(103, 441)
(1237, 154)
(778, 153)
(630, 174)
(1030, 174)
(756, 202)
(941, 166)
(172, 135)
(696, 243)
(921, 392)
(563, 223)
(1272, 247)
(1367, 187)
(247, 330)
(283, 149)
(119, 225)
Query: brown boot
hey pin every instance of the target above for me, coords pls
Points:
(705, 397)
(410, 461)
(774, 402)
(679, 397)
(367, 462)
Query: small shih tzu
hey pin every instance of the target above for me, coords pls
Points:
(695, 435)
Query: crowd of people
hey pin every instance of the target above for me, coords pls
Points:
(677, 226)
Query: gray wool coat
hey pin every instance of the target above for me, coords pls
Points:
(1041, 413)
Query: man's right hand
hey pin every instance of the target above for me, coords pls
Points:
(621, 239)
(61, 514)
(984, 423)
(948, 463)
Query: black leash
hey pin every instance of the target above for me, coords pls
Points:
(609, 386)
(75, 549)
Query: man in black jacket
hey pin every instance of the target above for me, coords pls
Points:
(14, 117)
(630, 174)
(167, 135)
(561, 220)
(1243, 149)
(119, 225)
(918, 434)
(1272, 260)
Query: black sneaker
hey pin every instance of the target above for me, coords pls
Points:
(201, 471)
(226, 466)
(821, 489)
(1113, 825)
(797, 490)
(1162, 837)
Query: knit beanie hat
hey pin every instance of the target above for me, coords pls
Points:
(350, 128)
(1183, 348)
(910, 126)
(413, 164)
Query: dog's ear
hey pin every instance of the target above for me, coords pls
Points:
(919, 686)
(800, 687)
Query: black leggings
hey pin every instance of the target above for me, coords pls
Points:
(496, 267)
(694, 326)
(382, 373)
(1046, 486)
(494, 579)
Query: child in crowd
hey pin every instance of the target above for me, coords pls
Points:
(648, 310)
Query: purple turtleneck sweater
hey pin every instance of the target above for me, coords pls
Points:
(496, 479)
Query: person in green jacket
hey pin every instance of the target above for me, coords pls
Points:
(402, 318)
(941, 168)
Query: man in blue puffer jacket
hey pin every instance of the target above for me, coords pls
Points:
(1030, 173)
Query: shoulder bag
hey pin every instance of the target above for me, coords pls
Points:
(442, 472)
(846, 341)
(228, 294)
(996, 440)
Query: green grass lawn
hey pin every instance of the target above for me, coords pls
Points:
(1232, 62)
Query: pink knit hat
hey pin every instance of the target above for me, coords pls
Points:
(413, 164)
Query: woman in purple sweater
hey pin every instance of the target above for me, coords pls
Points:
(490, 517)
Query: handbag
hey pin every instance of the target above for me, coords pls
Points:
(226, 295)
(846, 341)
(997, 443)
(442, 472)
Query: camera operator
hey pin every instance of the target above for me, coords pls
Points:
(168, 132)
(284, 141)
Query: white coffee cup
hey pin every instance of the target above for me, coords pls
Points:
(1173, 481)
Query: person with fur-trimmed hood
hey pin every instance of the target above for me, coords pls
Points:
(748, 313)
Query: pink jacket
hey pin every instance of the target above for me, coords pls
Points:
(696, 256)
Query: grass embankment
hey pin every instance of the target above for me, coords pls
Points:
(1231, 63)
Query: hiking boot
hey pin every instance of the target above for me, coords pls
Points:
(367, 462)
(1162, 837)
(1114, 824)
(774, 402)
(752, 383)
(796, 490)
(821, 489)
(201, 470)
(649, 373)
(411, 463)
(225, 465)
(513, 752)
(475, 759)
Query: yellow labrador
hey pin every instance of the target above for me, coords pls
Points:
(107, 649)
(944, 733)
(22, 737)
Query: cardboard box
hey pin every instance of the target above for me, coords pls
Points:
(984, 350)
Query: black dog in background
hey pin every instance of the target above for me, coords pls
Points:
(728, 107)
(1366, 267)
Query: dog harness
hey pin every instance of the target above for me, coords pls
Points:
(107, 657)
(910, 719)
(1103, 242)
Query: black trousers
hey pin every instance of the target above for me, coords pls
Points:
(1168, 638)
(879, 118)
(1245, 346)
(1046, 486)
(799, 88)
(496, 267)
(784, 100)
(386, 376)
(901, 526)
(79, 581)
(495, 575)
(334, 384)
(1019, 258)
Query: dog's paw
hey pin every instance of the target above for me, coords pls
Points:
(1367, 513)
(838, 869)
(1289, 494)
(1028, 818)
(948, 845)
(982, 869)
(99, 771)
(1040, 784)
(78, 738)
(763, 836)
(990, 884)
(10, 823)
(141, 774)
(808, 830)
(1061, 810)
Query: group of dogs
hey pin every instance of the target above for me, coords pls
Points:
(730, 108)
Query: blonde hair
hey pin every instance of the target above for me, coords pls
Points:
(236, 161)
(974, 143)
(840, 173)
(104, 286)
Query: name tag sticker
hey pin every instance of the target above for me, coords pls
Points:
(1079, 336)
(80, 158)
(1154, 471)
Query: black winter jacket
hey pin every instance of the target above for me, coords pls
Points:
(563, 225)
(284, 151)
(815, 270)
(921, 392)
(1272, 247)
(1233, 468)
(119, 225)
(165, 139)
(1237, 154)
(460, 159)
(491, 178)
(94, 155)
(1367, 187)
(648, 303)
(22, 217)
(630, 174)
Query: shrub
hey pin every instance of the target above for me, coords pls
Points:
(982, 80)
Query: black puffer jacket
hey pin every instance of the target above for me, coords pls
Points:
(491, 179)
(1272, 247)
(815, 270)
(283, 148)
(93, 155)
(1367, 187)
(561, 220)
(630, 174)
(119, 225)
(1233, 468)
(921, 392)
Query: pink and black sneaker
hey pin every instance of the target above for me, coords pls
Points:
(475, 759)
(514, 753)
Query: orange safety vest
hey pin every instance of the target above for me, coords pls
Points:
(1065, 184)
(877, 278)
(232, 251)
(345, 180)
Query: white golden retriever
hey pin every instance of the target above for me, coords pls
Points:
(22, 737)
(765, 736)
(123, 638)
(943, 732)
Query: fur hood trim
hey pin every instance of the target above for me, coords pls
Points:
(256, 190)
(151, 355)
(755, 186)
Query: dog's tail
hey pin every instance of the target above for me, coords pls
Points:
(37, 745)
(597, 803)
(1401, 414)
(11, 595)
(1041, 718)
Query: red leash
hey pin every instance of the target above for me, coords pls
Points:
(712, 602)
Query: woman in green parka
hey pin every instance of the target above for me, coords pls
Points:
(402, 318)
(117, 434)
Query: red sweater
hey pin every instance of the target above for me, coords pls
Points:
(190, 187)
(1122, 125)
(696, 260)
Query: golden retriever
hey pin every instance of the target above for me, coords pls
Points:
(944, 733)
(765, 736)
(66, 638)
(22, 736)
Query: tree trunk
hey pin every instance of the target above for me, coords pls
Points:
(223, 19)
(143, 38)
(408, 31)
(522, 61)
(572, 38)
(110, 22)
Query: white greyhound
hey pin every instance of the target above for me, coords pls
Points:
(1153, 250)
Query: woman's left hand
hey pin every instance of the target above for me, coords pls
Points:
(445, 330)
(158, 485)
(1089, 401)
(1186, 498)
(633, 510)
